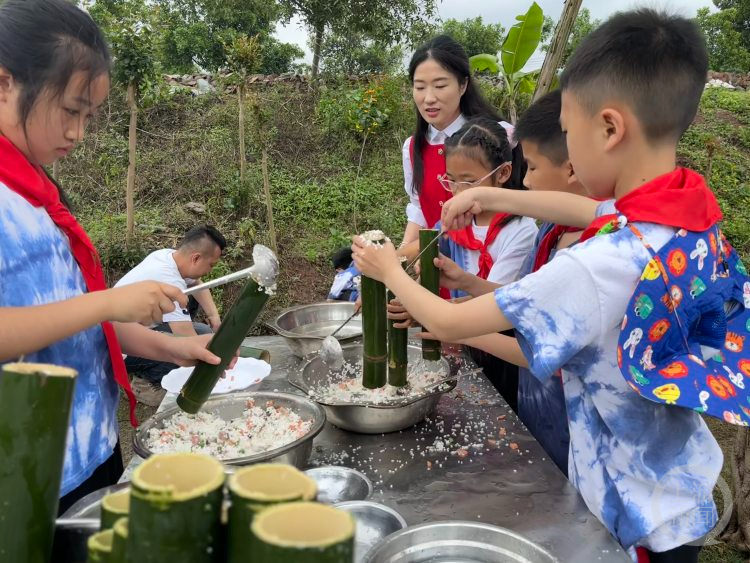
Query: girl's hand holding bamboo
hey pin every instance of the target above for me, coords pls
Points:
(375, 261)
(142, 302)
(451, 274)
(397, 312)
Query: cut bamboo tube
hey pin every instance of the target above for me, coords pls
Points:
(429, 277)
(374, 334)
(100, 547)
(114, 507)
(35, 404)
(224, 344)
(120, 541)
(175, 509)
(257, 353)
(256, 488)
(397, 352)
(303, 532)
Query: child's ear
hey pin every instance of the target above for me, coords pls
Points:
(571, 174)
(612, 124)
(503, 175)
(6, 83)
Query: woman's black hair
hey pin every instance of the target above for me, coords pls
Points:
(450, 55)
(43, 43)
(484, 139)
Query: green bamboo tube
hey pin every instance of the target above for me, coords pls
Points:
(397, 352)
(114, 507)
(100, 547)
(256, 488)
(257, 353)
(374, 333)
(35, 402)
(429, 277)
(120, 541)
(303, 532)
(224, 344)
(175, 509)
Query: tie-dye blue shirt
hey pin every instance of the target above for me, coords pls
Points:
(645, 470)
(37, 267)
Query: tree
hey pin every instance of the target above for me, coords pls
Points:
(474, 35)
(740, 17)
(353, 53)
(582, 26)
(522, 40)
(127, 25)
(726, 51)
(194, 32)
(557, 48)
(385, 21)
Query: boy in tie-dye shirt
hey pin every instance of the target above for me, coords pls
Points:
(628, 93)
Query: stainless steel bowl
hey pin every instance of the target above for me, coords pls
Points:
(305, 326)
(460, 542)
(368, 418)
(296, 453)
(375, 522)
(340, 484)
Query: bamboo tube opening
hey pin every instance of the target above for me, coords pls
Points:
(121, 527)
(118, 503)
(44, 369)
(179, 476)
(101, 541)
(272, 482)
(303, 524)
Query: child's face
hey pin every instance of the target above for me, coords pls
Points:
(542, 174)
(56, 124)
(588, 139)
(437, 94)
(464, 171)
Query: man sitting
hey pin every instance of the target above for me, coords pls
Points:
(195, 256)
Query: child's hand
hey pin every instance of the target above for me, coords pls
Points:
(189, 350)
(374, 260)
(143, 302)
(397, 312)
(451, 274)
(458, 211)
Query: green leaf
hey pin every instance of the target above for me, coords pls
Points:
(484, 61)
(522, 40)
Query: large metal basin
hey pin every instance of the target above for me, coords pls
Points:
(295, 453)
(368, 418)
(305, 326)
(458, 542)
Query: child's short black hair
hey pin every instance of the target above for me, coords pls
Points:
(342, 258)
(540, 124)
(655, 62)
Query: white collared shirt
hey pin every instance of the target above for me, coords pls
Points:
(434, 137)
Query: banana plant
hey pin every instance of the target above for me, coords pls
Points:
(521, 42)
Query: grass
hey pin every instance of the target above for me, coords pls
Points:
(187, 152)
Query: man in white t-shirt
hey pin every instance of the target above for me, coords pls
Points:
(195, 256)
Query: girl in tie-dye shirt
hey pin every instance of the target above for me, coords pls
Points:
(54, 75)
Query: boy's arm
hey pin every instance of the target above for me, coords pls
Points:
(476, 286)
(560, 208)
(447, 321)
(499, 345)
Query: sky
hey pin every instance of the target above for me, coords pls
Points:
(505, 11)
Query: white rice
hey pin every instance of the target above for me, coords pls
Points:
(258, 430)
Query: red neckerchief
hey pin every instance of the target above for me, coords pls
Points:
(31, 183)
(548, 242)
(678, 199)
(466, 239)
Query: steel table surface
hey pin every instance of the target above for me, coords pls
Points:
(471, 460)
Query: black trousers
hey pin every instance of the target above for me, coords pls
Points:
(682, 554)
(502, 375)
(108, 473)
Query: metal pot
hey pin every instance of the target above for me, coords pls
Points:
(305, 326)
(368, 418)
(296, 453)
